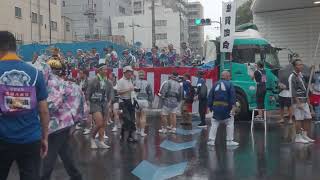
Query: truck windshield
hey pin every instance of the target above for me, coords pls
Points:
(253, 55)
(272, 60)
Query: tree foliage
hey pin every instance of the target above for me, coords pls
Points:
(244, 13)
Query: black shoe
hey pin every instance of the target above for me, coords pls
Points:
(132, 140)
(202, 125)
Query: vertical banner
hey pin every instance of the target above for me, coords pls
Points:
(228, 26)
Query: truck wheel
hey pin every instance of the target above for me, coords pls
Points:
(242, 112)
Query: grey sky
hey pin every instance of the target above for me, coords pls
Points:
(213, 10)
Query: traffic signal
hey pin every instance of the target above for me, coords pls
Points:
(202, 22)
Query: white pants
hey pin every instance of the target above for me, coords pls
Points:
(229, 128)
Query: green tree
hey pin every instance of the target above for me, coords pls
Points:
(244, 13)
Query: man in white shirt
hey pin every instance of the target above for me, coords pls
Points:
(125, 91)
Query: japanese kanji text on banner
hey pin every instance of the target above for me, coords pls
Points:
(228, 26)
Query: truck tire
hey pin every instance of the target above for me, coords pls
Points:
(242, 113)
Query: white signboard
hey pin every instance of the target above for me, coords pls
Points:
(228, 26)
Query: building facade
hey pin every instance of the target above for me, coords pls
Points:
(179, 7)
(196, 33)
(92, 19)
(290, 24)
(67, 32)
(137, 28)
(29, 20)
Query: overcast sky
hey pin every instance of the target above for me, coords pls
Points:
(213, 10)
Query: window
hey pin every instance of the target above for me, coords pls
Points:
(192, 6)
(161, 36)
(34, 17)
(122, 10)
(193, 28)
(95, 5)
(137, 12)
(161, 22)
(63, 4)
(193, 13)
(54, 1)
(137, 5)
(41, 19)
(67, 26)
(120, 25)
(54, 26)
(17, 12)
(95, 20)
(194, 34)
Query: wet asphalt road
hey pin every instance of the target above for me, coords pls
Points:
(277, 159)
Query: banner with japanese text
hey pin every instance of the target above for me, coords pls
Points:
(228, 26)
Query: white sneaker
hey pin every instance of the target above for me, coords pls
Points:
(232, 143)
(114, 129)
(102, 145)
(138, 132)
(169, 127)
(142, 134)
(164, 131)
(300, 139)
(211, 142)
(173, 130)
(105, 136)
(93, 144)
(305, 137)
(86, 131)
(78, 127)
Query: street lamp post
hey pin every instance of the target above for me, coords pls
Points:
(153, 17)
(133, 31)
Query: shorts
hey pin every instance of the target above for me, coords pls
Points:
(285, 102)
(143, 104)
(166, 110)
(260, 95)
(301, 113)
(98, 107)
(115, 106)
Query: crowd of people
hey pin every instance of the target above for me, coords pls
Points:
(139, 57)
(135, 57)
(39, 105)
(42, 102)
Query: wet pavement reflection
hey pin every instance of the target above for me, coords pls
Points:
(257, 157)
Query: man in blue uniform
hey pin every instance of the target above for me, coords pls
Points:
(221, 101)
(23, 94)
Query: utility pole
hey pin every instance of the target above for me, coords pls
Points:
(133, 25)
(50, 22)
(153, 23)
